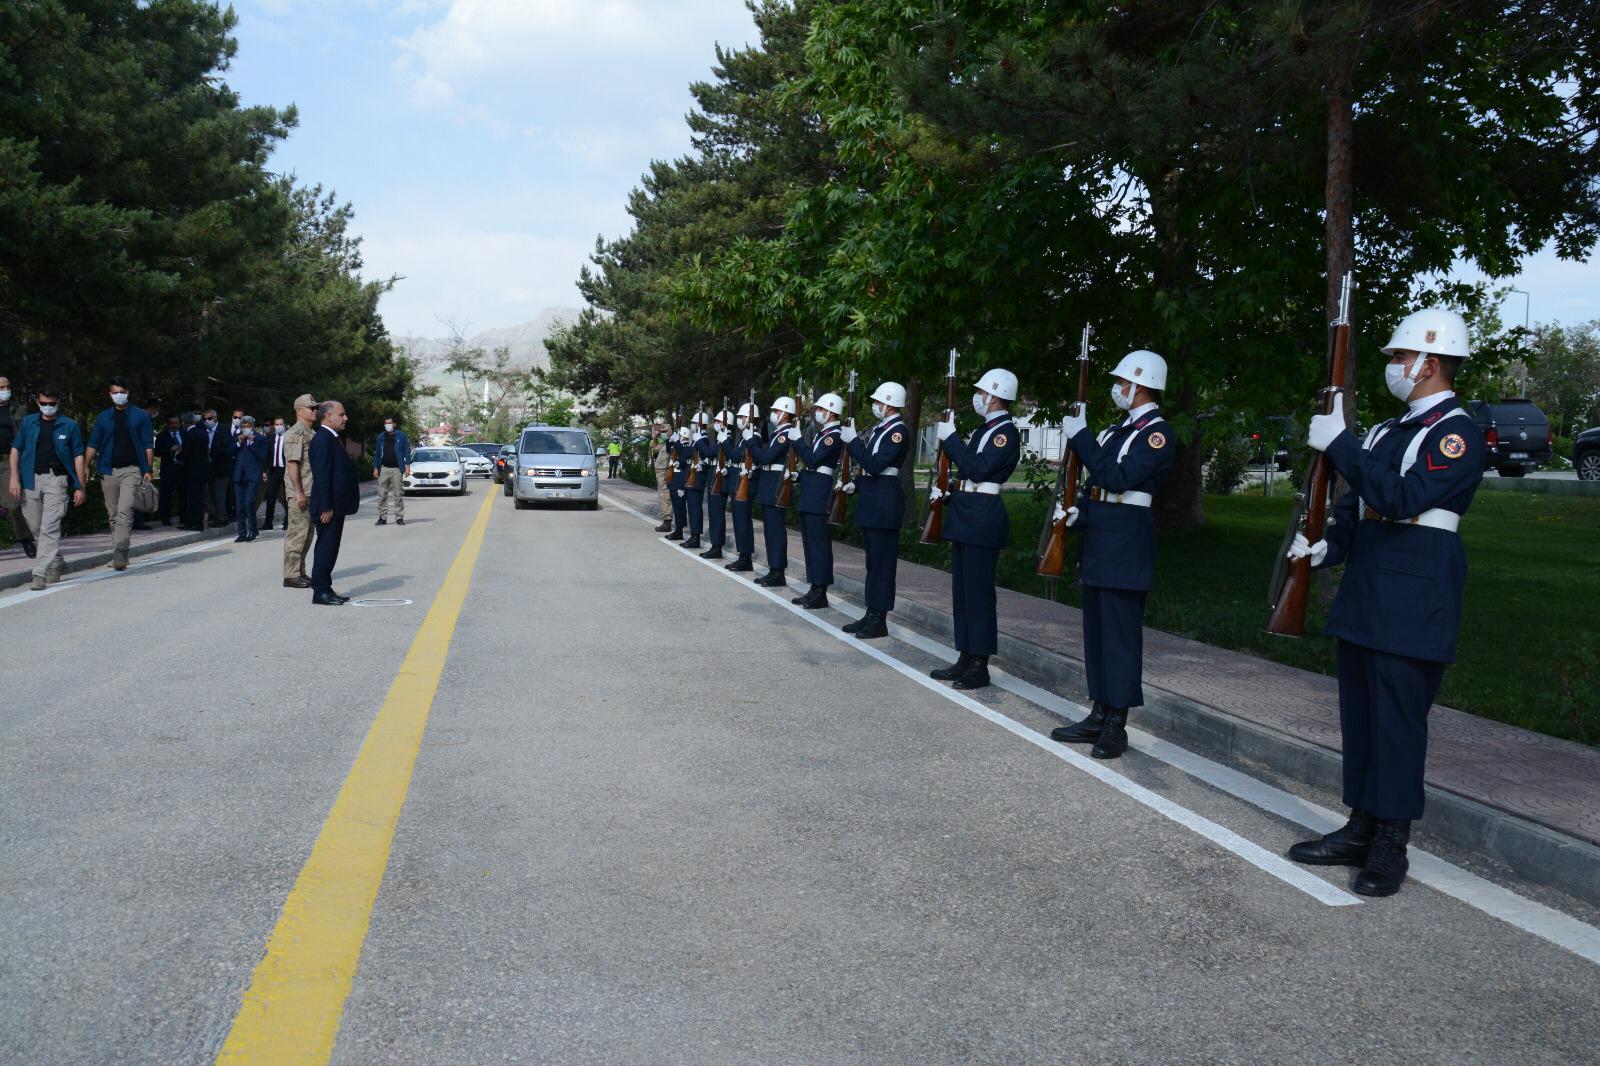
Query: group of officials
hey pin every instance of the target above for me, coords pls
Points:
(1397, 611)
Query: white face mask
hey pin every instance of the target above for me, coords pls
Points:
(235, 423)
(247, 433)
(878, 410)
(775, 418)
(49, 409)
(120, 399)
(279, 430)
(744, 423)
(5, 394)
(819, 417)
(388, 427)
(980, 403)
(211, 422)
(1123, 400)
(1399, 378)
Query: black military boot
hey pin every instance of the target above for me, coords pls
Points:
(976, 675)
(772, 579)
(692, 543)
(713, 552)
(741, 565)
(1387, 864)
(1345, 846)
(816, 597)
(665, 526)
(954, 670)
(875, 625)
(855, 627)
(676, 534)
(1084, 732)
(1113, 735)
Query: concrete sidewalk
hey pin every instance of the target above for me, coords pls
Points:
(1526, 800)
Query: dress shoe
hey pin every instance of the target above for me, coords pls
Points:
(1387, 864)
(1113, 735)
(713, 552)
(381, 522)
(326, 599)
(741, 565)
(692, 543)
(676, 534)
(665, 526)
(1346, 846)
(341, 599)
(30, 547)
(874, 624)
(976, 675)
(297, 582)
(399, 521)
(1084, 732)
(241, 538)
(772, 579)
(954, 670)
(248, 537)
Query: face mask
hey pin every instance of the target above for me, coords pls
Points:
(878, 410)
(120, 399)
(5, 394)
(980, 403)
(211, 423)
(279, 430)
(1399, 378)
(235, 423)
(819, 418)
(247, 433)
(774, 418)
(49, 409)
(744, 423)
(1123, 400)
(388, 427)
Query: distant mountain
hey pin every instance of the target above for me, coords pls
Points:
(526, 342)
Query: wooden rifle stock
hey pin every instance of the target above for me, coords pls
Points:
(1287, 614)
(836, 502)
(693, 480)
(1053, 556)
(785, 493)
(722, 450)
(747, 466)
(933, 520)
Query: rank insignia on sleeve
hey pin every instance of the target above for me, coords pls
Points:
(897, 436)
(1000, 441)
(827, 442)
(1453, 446)
(1158, 440)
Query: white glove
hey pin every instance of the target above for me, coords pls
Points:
(680, 492)
(1075, 422)
(1070, 514)
(747, 434)
(1301, 548)
(941, 430)
(848, 488)
(792, 432)
(847, 434)
(934, 495)
(1324, 428)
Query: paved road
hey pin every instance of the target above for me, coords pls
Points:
(655, 817)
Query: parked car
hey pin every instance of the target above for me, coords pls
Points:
(1586, 454)
(555, 463)
(504, 462)
(1517, 434)
(435, 470)
(476, 463)
(483, 448)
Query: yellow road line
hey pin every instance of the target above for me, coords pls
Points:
(291, 1011)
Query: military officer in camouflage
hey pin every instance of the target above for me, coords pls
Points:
(297, 480)
(661, 463)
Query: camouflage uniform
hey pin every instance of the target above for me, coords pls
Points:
(297, 450)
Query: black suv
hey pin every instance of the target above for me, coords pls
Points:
(1517, 433)
(1586, 455)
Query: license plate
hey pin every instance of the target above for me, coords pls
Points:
(557, 494)
(1519, 455)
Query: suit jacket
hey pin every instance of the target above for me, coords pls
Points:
(169, 449)
(196, 457)
(222, 447)
(251, 461)
(333, 479)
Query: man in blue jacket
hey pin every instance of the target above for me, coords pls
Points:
(46, 466)
(1398, 608)
(249, 471)
(334, 496)
(880, 503)
(1128, 464)
(820, 460)
(391, 462)
(122, 439)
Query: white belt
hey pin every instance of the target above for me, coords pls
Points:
(775, 466)
(823, 470)
(988, 488)
(888, 471)
(1132, 499)
(1434, 518)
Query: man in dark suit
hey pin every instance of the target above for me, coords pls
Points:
(334, 496)
(272, 489)
(249, 471)
(196, 457)
(169, 452)
(219, 439)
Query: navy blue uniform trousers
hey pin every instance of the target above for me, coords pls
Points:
(326, 552)
(775, 536)
(883, 556)
(680, 510)
(818, 547)
(972, 570)
(1113, 645)
(696, 501)
(1383, 715)
(244, 497)
(744, 527)
(716, 518)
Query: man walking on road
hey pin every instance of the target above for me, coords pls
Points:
(297, 473)
(391, 462)
(272, 488)
(661, 463)
(46, 465)
(334, 496)
(11, 415)
(249, 471)
(122, 440)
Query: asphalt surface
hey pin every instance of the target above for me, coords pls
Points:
(658, 818)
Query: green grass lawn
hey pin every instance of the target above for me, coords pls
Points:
(1530, 640)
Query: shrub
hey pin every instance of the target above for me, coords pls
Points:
(1229, 460)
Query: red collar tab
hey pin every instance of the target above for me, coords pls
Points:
(1432, 417)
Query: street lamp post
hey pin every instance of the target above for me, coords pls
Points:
(1527, 302)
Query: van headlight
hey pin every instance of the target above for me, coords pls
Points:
(586, 473)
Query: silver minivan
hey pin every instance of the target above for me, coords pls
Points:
(555, 463)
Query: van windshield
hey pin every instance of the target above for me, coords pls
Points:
(547, 442)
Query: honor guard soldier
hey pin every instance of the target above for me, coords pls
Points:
(681, 451)
(976, 524)
(770, 457)
(880, 503)
(720, 486)
(698, 461)
(1398, 608)
(661, 463)
(1127, 466)
(743, 456)
(821, 459)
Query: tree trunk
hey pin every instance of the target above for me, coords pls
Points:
(912, 416)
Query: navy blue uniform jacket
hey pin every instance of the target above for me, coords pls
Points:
(974, 517)
(680, 457)
(1402, 586)
(766, 455)
(333, 479)
(704, 451)
(879, 502)
(1119, 539)
(816, 489)
(251, 461)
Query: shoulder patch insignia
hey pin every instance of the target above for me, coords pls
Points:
(1454, 446)
(827, 442)
(897, 436)
(1157, 439)
(1000, 440)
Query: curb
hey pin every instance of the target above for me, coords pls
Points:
(1534, 852)
(1542, 485)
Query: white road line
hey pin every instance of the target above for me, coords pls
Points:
(1254, 854)
(68, 584)
(1445, 877)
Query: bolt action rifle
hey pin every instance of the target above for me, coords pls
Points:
(693, 481)
(790, 464)
(1053, 554)
(933, 516)
(747, 466)
(1291, 578)
(836, 503)
(722, 453)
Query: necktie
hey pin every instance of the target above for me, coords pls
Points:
(277, 451)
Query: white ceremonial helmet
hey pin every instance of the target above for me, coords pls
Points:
(784, 405)
(699, 418)
(1143, 368)
(724, 417)
(749, 410)
(1432, 330)
(891, 394)
(831, 402)
(1001, 383)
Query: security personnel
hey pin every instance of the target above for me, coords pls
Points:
(1398, 608)
(661, 463)
(1127, 465)
(880, 503)
(717, 501)
(976, 524)
(820, 459)
(297, 474)
(770, 457)
(742, 452)
(680, 449)
(700, 454)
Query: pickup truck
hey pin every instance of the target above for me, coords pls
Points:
(1517, 433)
(1586, 454)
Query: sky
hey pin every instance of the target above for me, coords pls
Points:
(485, 144)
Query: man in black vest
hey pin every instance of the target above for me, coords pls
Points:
(334, 496)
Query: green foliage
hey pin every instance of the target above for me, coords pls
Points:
(1226, 468)
(1564, 376)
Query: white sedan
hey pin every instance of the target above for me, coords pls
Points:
(435, 470)
(476, 465)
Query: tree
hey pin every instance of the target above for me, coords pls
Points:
(1564, 375)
